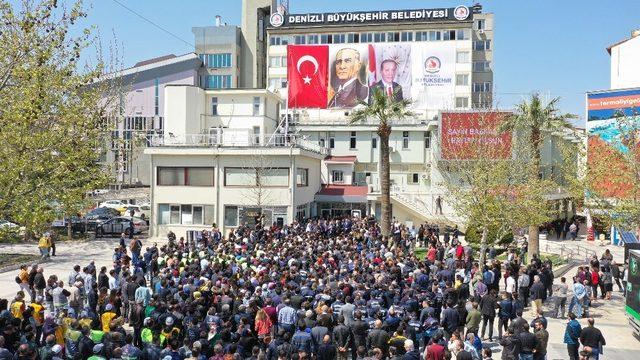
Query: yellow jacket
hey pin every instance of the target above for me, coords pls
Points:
(44, 242)
(106, 320)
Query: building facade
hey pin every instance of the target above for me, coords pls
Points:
(625, 57)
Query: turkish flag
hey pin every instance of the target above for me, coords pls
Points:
(307, 76)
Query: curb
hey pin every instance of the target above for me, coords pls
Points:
(17, 266)
(560, 271)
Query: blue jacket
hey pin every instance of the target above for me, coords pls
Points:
(572, 332)
(506, 309)
(301, 341)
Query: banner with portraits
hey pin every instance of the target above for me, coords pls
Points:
(348, 74)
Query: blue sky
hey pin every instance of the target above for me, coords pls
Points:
(554, 47)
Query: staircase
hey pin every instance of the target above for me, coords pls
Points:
(417, 206)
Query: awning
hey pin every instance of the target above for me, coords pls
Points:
(349, 159)
(342, 193)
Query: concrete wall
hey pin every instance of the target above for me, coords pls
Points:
(625, 72)
(140, 100)
(183, 108)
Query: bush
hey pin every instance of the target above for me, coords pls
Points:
(473, 236)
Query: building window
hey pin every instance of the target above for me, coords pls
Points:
(217, 82)
(186, 217)
(256, 135)
(482, 86)
(321, 143)
(374, 142)
(249, 177)
(379, 37)
(481, 45)
(435, 36)
(393, 36)
(325, 39)
(366, 37)
(449, 34)
(230, 216)
(213, 61)
(462, 79)
(312, 39)
(185, 176)
(463, 34)
(481, 66)
(413, 178)
(406, 36)
(332, 140)
(214, 105)
(352, 140)
(463, 57)
(405, 139)
(157, 96)
(353, 38)
(299, 39)
(187, 214)
(275, 61)
(479, 24)
(256, 105)
(174, 214)
(339, 38)
(337, 176)
(427, 139)
(422, 36)
(462, 102)
(302, 177)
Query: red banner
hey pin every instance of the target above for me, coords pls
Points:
(470, 135)
(307, 76)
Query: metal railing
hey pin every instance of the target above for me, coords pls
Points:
(575, 251)
(233, 139)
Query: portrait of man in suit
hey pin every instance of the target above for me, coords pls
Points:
(347, 88)
(387, 84)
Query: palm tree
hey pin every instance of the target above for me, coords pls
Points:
(384, 109)
(535, 119)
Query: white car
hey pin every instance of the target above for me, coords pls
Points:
(9, 226)
(119, 205)
(138, 211)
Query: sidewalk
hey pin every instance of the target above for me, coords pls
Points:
(581, 248)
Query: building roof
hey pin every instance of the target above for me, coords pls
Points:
(619, 43)
(154, 60)
(343, 190)
(341, 159)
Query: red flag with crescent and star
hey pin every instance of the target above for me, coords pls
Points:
(307, 76)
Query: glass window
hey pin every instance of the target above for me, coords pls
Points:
(337, 176)
(352, 140)
(209, 214)
(325, 39)
(312, 39)
(239, 177)
(230, 216)
(405, 139)
(374, 143)
(338, 38)
(449, 34)
(175, 214)
(164, 214)
(353, 38)
(186, 217)
(256, 105)
(197, 215)
(463, 57)
(462, 79)
(299, 39)
(406, 36)
(427, 139)
(379, 37)
(274, 61)
(200, 176)
(214, 105)
(366, 37)
(274, 177)
(170, 176)
(435, 36)
(479, 24)
(302, 177)
(393, 37)
(481, 66)
(462, 102)
(422, 36)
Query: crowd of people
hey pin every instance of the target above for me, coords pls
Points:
(319, 289)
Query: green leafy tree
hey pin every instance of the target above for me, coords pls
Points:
(384, 110)
(536, 119)
(51, 113)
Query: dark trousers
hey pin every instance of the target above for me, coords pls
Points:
(137, 339)
(618, 283)
(503, 323)
(573, 351)
(523, 293)
(53, 249)
(594, 289)
(487, 319)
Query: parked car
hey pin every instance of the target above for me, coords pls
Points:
(8, 226)
(102, 213)
(121, 224)
(138, 211)
(119, 205)
(78, 224)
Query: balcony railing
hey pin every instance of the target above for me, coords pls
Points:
(233, 140)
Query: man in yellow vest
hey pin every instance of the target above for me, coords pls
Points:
(106, 318)
(38, 315)
(17, 306)
(44, 244)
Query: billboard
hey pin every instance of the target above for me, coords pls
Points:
(340, 76)
(474, 134)
(607, 113)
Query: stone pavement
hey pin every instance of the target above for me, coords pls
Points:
(68, 254)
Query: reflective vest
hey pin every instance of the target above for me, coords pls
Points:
(38, 312)
(17, 307)
(106, 320)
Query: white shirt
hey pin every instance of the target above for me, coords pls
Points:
(511, 284)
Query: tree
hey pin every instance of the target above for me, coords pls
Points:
(384, 110)
(488, 184)
(51, 113)
(536, 119)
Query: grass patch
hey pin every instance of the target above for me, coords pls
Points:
(16, 259)
(556, 259)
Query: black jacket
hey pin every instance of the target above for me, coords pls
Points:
(327, 352)
(378, 338)
(511, 347)
(342, 336)
(537, 291)
(85, 347)
(528, 341)
(591, 336)
(488, 305)
(360, 330)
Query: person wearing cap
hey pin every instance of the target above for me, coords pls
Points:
(97, 353)
(168, 331)
(17, 307)
(57, 352)
(106, 317)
